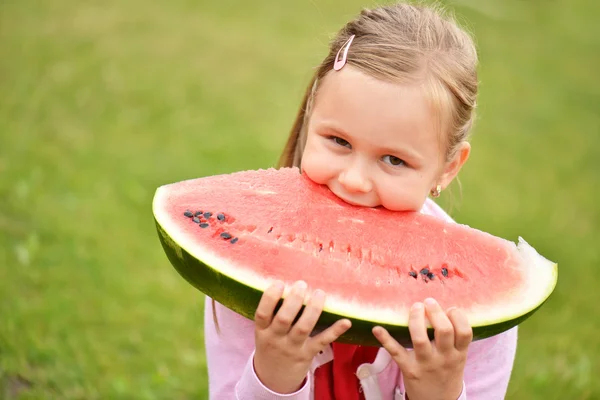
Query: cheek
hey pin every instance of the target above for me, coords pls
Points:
(402, 194)
(316, 163)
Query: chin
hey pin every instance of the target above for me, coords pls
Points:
(402, 209)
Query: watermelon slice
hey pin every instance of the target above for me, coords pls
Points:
(232, 235)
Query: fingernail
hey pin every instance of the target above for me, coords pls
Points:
(417, 306)
(278, 285)
(301, 285)
(319, 295)
(430, 302)
(450, 309)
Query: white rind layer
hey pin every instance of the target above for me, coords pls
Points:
(540, 279)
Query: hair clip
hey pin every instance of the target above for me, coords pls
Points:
(340, 63)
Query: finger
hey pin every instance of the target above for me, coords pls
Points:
(329, 335)
(418, 331)
(463, 333)
(398, 353)
(305, 325)
(283, 320)
(264, 312)
(442, 327)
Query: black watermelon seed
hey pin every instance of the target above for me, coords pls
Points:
(207, 215)
(188, 214)
(424, 271)
(197, 213)
(204, 225)
(270, 230)
(221, 217)
(225, 235)
(430, 276)
(234, 240)
(444, 272)
(413, 274)
(196, 220)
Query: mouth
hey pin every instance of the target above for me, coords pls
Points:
(352, 201)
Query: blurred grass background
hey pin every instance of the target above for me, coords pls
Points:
(103, 101)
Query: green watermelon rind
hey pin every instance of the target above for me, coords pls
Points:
(219, 286)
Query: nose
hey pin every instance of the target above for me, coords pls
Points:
(355, 179)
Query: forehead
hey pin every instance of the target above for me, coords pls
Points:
(366, 107)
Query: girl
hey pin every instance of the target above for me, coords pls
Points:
(384, 122)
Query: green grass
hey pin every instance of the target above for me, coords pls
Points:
(103, 101)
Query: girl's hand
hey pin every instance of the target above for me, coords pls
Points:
(284, 351)
(435, 369)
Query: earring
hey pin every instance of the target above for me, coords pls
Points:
(436, 192)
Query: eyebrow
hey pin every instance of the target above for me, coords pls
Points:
(400, 153)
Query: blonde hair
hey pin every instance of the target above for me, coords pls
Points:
(403, 44)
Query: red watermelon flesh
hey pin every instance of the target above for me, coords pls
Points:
(372, 263)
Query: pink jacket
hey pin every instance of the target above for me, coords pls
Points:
(231, 374)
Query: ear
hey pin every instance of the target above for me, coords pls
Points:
(452, 167)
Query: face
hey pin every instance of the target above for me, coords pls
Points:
(375, 143)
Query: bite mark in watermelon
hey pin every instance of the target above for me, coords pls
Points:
(232, 235)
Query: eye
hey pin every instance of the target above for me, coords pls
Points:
(393, 160)
(340, 141)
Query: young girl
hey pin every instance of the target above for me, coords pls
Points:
(384, 122)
